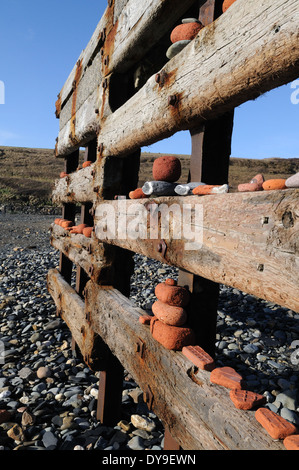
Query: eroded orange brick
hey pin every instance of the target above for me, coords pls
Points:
(276, 426)
(145, 319)
(227, 377)
(199, 357)
(292, 442)
(246, 400)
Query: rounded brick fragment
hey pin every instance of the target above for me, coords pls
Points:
(87, 231)
(246, 400)
(204, 189)
(227, 4)
(292, 442)
(175, 316)
(78, 228)
(172, 295)
(60, 221)
(227, 377)
(199, 357)
(248, 187)
(86, 164)
(276, 426)
(137, 194)
(274, 184)
(258, 179)
(145, 319)
(186, 31)
(66, 224)
(171, 337)
(167, 168)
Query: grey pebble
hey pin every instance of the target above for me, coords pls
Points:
(175, 48)
(136, 443)
(255, 337)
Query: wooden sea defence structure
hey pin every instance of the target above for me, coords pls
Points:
(124, 93)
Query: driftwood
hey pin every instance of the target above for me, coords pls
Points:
(249, 61)
(249, 240)
(94, 257)
(76, 187)
(171, 383)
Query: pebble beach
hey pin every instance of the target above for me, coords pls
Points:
(48, 397)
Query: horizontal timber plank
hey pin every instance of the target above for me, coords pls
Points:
(70, 307)
(247, 51)
(198, 414)
(123, 35)
(94, 257)
(76, 187)
(249, 240)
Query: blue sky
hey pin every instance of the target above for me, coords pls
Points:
(40, 41)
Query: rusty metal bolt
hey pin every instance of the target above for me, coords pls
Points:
(172, 100)
(265, 220)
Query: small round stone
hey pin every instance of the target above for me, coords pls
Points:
(176, 48)
(185, 31)
(167, 168)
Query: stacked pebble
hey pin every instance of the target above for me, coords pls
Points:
(168, 326)
(166, 171)
(183, 35)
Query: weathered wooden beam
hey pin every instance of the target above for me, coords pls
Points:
(70, 307)
(249, 50)
(199, 415)
(75, 187)
(249, 240)
(125, 33)
(95, 258)
(170, 382)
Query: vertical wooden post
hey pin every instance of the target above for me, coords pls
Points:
(111, 379)
(211, 149)
(86, 218)
(69, 213)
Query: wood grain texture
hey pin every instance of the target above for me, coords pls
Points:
(198, 414)
(125, 33)
(70, 307)
(95, 258)
(247, 51)
(250, 241)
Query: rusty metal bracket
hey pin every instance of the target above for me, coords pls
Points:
(148, 397)
(140, 347)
